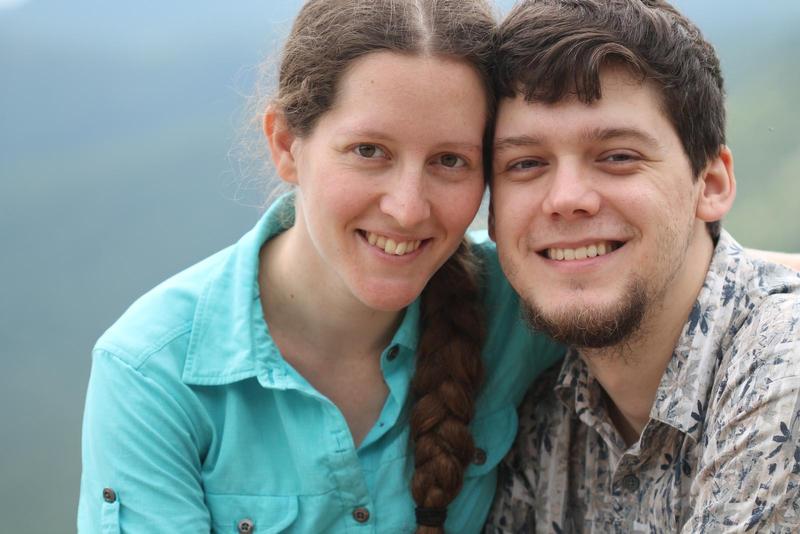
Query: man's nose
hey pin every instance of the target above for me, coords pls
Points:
(571, 193)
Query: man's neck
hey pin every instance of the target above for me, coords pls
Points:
(631, 372)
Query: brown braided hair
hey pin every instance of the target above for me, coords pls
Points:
(326, 37)
(448, 375)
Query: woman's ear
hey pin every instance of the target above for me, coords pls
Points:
(718, 188)
(281, 142)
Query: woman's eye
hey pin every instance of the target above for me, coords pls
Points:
(451, 160)
(369, 151)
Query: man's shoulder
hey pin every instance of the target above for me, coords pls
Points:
(770, 318)
(753, 304)
(759, 339)
(750, 418)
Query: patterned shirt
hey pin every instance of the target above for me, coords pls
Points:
(721, 451)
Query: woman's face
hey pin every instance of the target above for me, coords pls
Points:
(391, 176)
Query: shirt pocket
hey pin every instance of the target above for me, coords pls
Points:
(257, 514)
(493, 434)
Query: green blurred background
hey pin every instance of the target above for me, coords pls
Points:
(118, 134)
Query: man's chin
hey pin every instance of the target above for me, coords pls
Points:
(591, 327)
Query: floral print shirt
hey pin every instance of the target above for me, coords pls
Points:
(721, 452)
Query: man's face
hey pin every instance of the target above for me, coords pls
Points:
(594, 210)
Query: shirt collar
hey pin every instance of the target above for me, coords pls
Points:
(228, 325)
(682, 396)
(582, 394)
(230, 340)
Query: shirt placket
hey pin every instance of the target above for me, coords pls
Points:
(626, 485)
(349, 477)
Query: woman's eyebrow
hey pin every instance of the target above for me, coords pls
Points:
(364, 132)
(378, 135)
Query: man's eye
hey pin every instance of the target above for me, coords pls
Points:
(451, 160)
(619, 158)
(526, 164)
(369, 151)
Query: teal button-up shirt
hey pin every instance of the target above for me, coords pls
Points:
(196, 422)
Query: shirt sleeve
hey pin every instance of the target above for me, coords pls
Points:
(748, 478)
(141, 455)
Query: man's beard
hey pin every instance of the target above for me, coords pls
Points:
(593, 328)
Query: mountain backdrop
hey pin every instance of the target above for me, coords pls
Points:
(119, 128)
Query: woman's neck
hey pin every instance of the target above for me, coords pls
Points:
(309, 309)
(326, 334)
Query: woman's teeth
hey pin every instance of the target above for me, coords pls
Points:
(390, 246)
(580, 253)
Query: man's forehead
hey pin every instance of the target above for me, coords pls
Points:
(613, 76)
(627, 107)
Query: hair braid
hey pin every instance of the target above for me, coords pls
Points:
(447, 378)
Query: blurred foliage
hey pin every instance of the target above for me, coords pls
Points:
(762, 132)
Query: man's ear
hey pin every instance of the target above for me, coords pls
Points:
(491, 218)
(718, 189)
(281, 142)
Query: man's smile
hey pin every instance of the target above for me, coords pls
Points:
(581, 252)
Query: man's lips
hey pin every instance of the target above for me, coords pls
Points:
(587, 249)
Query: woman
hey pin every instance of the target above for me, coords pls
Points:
(302, 379)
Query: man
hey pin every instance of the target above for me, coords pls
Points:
(677, 407)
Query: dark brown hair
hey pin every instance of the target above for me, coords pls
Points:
(327, 36)
(548, 49)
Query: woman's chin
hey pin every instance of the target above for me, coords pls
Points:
(389, 297)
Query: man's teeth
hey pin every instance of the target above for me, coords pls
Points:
(580, 253)
(390, 246)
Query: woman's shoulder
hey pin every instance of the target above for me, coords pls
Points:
(162, 316)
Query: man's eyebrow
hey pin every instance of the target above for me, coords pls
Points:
(505, 143)
(605, 134)
(595, 134)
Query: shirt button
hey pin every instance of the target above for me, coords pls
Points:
(246, 526)
(480, 457)
(630, 482)
(109, 495)
(361, 515)
(392, 353)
